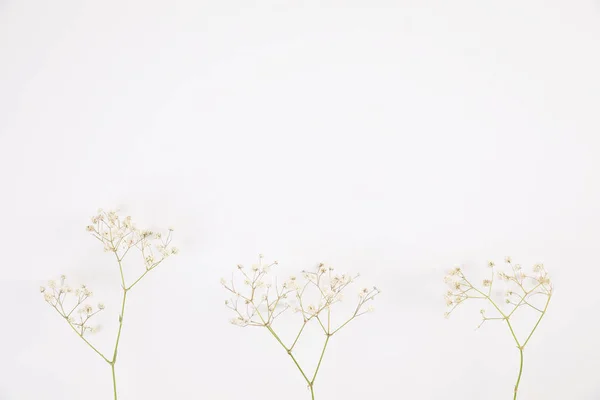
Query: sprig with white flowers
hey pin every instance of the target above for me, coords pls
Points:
(532, 291)
(120, 237)
(258, 301)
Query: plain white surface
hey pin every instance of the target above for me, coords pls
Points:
(392, 138)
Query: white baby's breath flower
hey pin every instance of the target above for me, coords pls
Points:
(256, 304)
(518, 281)
(119, 236)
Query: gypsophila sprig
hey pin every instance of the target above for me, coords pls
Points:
(531, 290)
(120, 237)
(258, 301)
(73, 305)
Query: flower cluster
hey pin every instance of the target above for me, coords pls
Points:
(120, 235)
(72, 304)
(259, 300)
(531, 290)
(521, 288)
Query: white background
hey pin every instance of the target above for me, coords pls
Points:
(394, 138)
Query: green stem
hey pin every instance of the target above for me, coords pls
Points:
(320, 361)
(512, 332)
(114, 378)
(289, 351)
(114, 359)
(538, 321)
(88, 343)
(520, 373)
(121, 316)
(521, 348)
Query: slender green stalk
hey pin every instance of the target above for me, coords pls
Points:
(289, 352)
(521, 348)
(114, 378)
(320, 360)
(117, 341)
(89, 344)
(520, 373)
(538, 321)
(310, 382)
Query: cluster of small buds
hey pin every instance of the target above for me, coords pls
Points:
(260, 291)
(262, 301)
(119, 235)
(522, 286)
(71, 304)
